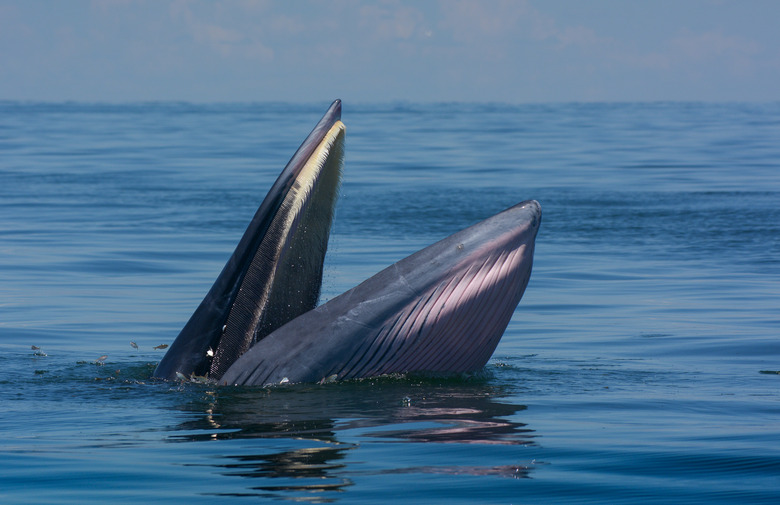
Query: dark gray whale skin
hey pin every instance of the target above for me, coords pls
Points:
(440, 310)
(246, 302)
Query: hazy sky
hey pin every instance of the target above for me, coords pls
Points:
(426, 50)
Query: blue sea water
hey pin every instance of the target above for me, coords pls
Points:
(641, 365)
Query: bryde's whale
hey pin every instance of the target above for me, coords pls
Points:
(440, 310)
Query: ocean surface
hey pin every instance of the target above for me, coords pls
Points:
(641, 366)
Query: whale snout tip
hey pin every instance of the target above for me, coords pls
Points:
(537, 213)
(535, 210)
(534, 205)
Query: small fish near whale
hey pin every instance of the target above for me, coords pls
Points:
(441, 310)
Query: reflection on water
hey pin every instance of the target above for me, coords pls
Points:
(329, 421)
(309, 470)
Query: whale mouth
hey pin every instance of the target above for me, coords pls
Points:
(275, 272)
(441, 310)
